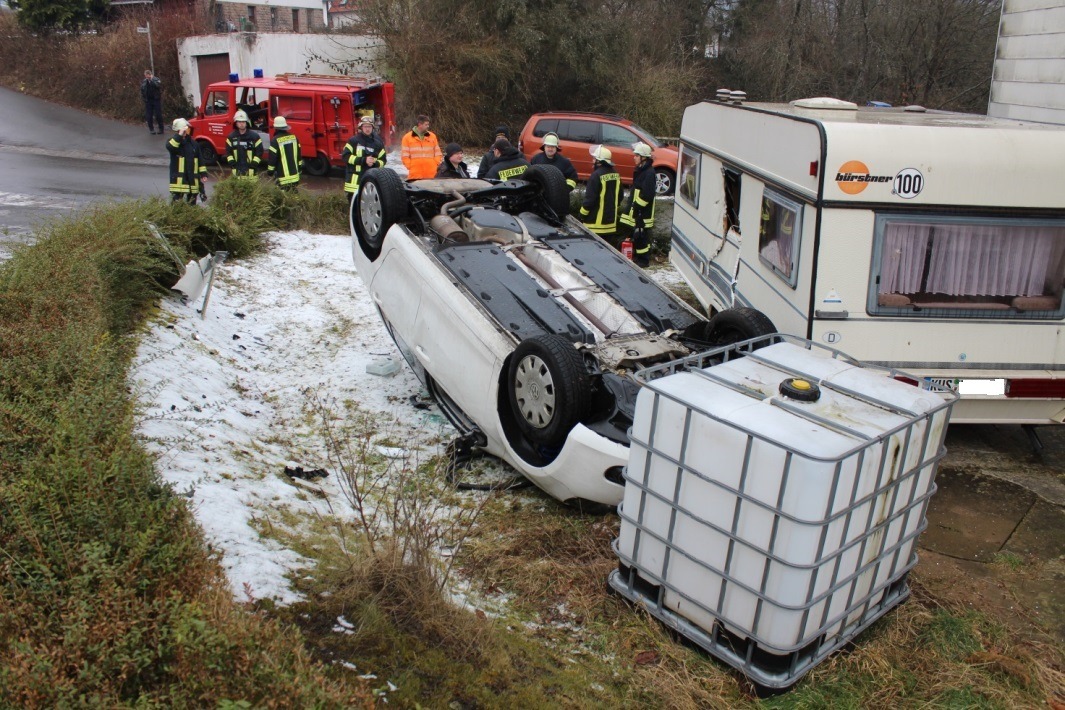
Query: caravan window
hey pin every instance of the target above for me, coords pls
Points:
(732, 199)
(977, 267)
(778, 234)
(688, 188)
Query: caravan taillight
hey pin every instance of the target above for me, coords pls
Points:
(1032, 388)
(813, 168)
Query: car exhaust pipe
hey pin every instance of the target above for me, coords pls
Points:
(447, 228)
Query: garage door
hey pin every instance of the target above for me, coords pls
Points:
(211, 68)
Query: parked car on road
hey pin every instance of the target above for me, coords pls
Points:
(524, 326)
(578, 133)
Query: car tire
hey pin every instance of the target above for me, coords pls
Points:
(665, 182)
(380, 202)
(548, 388)
(738, 324)
(553, 186)
(206, 152)
(317, 166)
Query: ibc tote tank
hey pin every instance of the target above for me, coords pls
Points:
(773, 501)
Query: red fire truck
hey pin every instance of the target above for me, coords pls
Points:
(322, 112)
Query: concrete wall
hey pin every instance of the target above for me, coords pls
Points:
(278, 53)
(1029, 77)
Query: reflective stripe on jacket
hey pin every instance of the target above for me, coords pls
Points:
(421, 155)
(185, 168)
(599, 211)
(244, 152)
(356, 150)
(641, 212)
(284, 159)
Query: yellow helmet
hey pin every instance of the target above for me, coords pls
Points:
(241, 116)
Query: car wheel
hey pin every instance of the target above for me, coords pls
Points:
(737, 324)
(665, 181)
(380, 203)
(553, 186)
(206, 153)
(548, 389)
(317, 166)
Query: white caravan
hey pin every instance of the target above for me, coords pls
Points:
(929, 241)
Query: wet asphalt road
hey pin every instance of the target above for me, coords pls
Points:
(56, 160)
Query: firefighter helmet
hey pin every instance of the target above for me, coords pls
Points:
(641, 149)
(551, 139)
(179, 124)
(240, 116)
(280, 122)
(602, 153)
(366, 120)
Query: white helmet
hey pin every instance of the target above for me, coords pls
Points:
(365, 120)
(551, 139)
(602, 153)
(280, 122)
(641, 149)
(240, 116)
(179, 124)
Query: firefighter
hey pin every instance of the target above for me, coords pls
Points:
(641, 213)
(283, 159)
(186, 173)
(421, 151)
(599, 211)
(551, 154)
(244, 147)
(508, 162)
(502, 131)
(363, 151)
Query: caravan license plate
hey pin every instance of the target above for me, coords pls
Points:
(987, 388)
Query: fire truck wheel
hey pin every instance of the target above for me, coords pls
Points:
(317, 166)
(207, 154)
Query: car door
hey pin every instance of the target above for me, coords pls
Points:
(576, 136)
(619, 140)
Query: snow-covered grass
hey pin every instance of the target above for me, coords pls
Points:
(227, 402)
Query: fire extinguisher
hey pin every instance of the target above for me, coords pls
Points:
(626, 248)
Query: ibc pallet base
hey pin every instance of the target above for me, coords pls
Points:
(772, 671)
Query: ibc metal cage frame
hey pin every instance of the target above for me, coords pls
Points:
(770, 663)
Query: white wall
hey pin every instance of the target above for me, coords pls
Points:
(278, 53)
(1029, 78)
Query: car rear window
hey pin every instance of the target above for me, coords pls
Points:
(581, 131)
(616, 135)
(545, 126)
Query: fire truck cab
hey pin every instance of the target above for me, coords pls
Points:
(323, 112)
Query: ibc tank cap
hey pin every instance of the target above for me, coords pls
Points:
(800, 389)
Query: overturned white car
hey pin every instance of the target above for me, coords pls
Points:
(524, 326)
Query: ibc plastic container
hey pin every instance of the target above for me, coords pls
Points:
(768, 529)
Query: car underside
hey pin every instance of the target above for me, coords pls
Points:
(501, 268)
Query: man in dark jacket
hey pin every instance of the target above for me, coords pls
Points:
(551, 154)
(486, 162)
(452, 165)
(599, 211)
(363, 151)
(186, 173)
(244, 147)
(152, 94)
(283, 160)
(641, 213)
(508, 162)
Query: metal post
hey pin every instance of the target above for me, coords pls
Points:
(151, 56)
